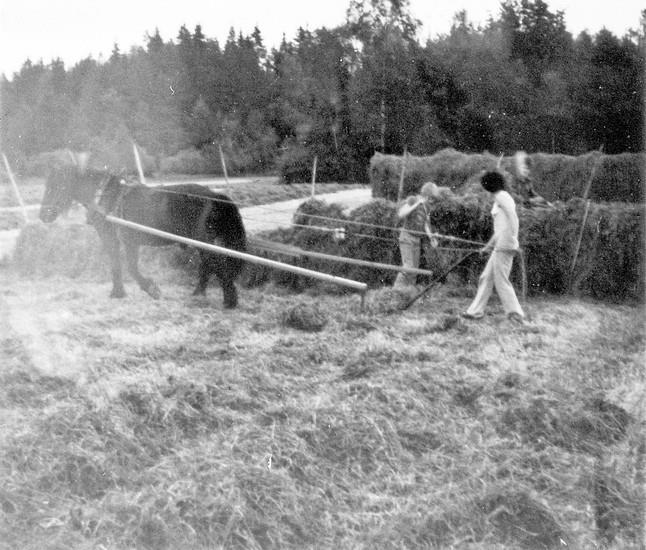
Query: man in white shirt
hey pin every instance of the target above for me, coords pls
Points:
(503, 246)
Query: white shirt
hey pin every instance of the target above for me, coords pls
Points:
(505, 222)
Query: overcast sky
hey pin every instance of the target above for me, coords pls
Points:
(75, 29)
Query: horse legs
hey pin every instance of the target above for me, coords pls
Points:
(111, 245)
(204, 275)
(146, 284)
(210, 265)
(229, 292)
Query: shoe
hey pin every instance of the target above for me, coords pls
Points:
(516, 318)
(472, 316)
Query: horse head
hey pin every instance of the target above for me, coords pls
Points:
(58, 195)
(67, 185)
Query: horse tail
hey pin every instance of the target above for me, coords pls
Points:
(225, 218)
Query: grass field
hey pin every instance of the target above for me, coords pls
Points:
(309, 421)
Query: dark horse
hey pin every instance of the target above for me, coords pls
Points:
(188, 210)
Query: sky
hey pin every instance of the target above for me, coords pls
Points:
(73, 30)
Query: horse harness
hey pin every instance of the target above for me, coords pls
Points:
(95, 207)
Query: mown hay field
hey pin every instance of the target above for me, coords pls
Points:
(304, 420)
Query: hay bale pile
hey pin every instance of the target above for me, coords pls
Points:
(315, 231)
(555, 177)
(447, 167)
(70, 250)
(610, 263)
(617, 178)
(74, 250)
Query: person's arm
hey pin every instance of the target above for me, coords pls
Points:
(409, 205)
(489, 246)
(429, 234)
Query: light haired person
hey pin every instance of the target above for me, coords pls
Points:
(503, 246)
(413, 214)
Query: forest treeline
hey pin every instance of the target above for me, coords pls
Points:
(521, 81)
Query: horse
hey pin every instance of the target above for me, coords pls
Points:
(188, 210)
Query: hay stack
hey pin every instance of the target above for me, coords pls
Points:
(70, 250)
(617, 178)
(555, 177)
(447, 167)
(304, 316)
(75, 250)
(610, 263)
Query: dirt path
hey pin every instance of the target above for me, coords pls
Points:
(279, 214)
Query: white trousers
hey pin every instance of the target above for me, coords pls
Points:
(496, 274)
(409, 248)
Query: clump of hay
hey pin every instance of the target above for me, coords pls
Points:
(60, 249)
(388, 299)
(305, 316)
(445, 323)
(579, 426)
(518, 518)
(75, 250)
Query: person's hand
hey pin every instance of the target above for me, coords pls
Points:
(434, 242)
(484, 250)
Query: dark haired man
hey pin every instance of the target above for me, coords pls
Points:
(503, 246)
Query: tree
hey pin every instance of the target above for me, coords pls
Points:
(537, 36)
(609, 95)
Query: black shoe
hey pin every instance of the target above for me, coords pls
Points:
(472, 316)
(516, 318)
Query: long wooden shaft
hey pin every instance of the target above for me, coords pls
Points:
(295, 251)
(362, 287)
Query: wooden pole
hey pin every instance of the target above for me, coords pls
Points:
(314, 176)
(400, 189)
(224, 168)
(140, 169)
(585, 215)
(15, 188)
(294, 251)
(362, 287)
(72, 157)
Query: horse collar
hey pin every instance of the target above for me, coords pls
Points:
(95, 205)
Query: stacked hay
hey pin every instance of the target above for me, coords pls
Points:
(317, 225)
(610, 263)
(555, 177)
(75, 250)
(616, 177)
(447, 167)
(70, 250)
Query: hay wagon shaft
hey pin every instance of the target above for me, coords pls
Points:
(355, 285)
